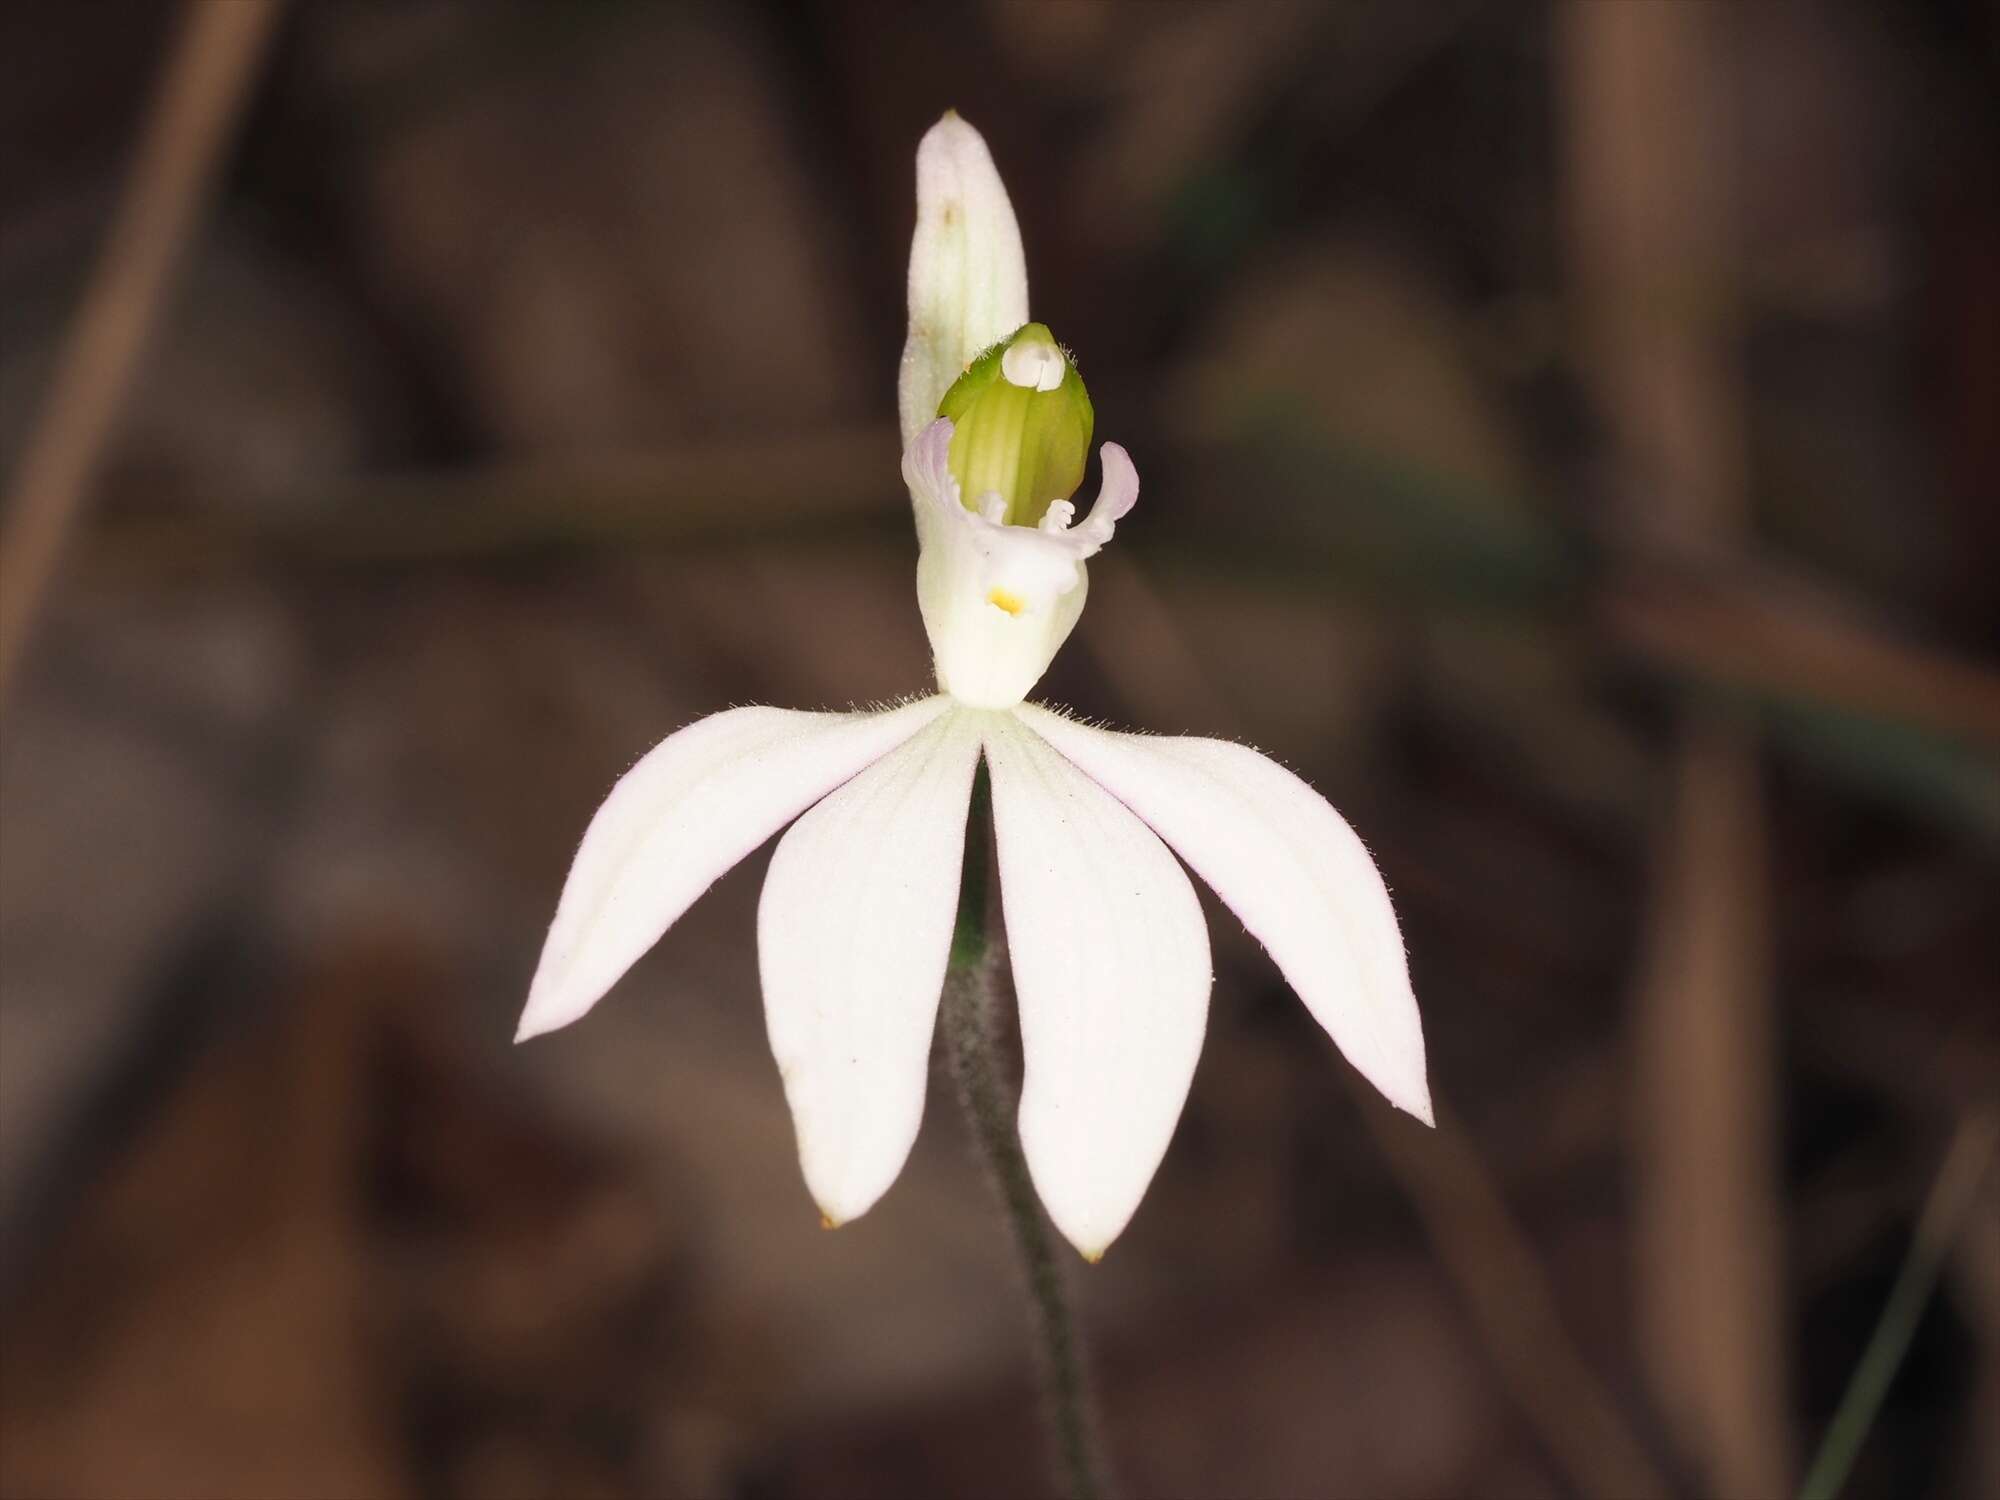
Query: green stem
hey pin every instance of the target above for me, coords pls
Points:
(1867, 1388)
(967, 1014)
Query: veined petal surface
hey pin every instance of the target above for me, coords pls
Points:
(968, 275)
(1111, 969)
(692, 807)
(853, 935)
(1287, 864)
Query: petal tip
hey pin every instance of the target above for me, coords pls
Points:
(545, 1011)
(841, 1203)
(948, 125)
(842, 1187)
(839, 1209)
(1089, 1240)
(1410, 1093)
(534, 1022)
(1411, 1096)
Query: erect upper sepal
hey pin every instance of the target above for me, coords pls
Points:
(968, 276)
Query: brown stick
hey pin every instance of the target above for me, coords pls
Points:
(1508, 1296)
(200, 98)
(1651, 213)
(1743, 631)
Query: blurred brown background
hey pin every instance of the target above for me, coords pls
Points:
(1568, 437)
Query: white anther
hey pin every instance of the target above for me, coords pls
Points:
(1058, 516)
(1035, 367)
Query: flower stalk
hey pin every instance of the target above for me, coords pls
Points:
(968, 1017)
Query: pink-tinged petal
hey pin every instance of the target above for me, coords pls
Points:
(1111, 968)
(968, 275)
(853, 935)
(1115, 499)
(1290, 867)
(692, 807)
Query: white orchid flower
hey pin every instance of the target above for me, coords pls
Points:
(1107, 941)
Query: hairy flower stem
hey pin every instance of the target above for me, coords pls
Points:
(989, 1102)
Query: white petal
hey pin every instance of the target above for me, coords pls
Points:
(853, 935)
(1290, 867)
(968, 277)
(1111, 968)
(695, 805)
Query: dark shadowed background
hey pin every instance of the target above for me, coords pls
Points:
(1568, 438)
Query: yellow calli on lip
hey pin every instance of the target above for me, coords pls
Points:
(1104, 932)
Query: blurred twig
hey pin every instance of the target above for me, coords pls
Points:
(1497, 1272)
(1950, 1197)
(200, 97)
(838, 481)
(1976, 1284)
(1751, 631)
(1648, 149)
(1712, 1298)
